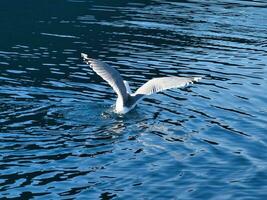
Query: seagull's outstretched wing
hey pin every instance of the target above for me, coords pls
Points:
(159, 84)
(109, 74)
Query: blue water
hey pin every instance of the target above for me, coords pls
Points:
(59, 138)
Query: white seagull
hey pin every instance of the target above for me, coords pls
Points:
(127, 100)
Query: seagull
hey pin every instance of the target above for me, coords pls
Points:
(127, 100)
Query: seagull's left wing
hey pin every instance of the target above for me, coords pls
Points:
(159, 84)
(109, 74)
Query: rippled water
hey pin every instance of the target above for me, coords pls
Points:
(59, 137)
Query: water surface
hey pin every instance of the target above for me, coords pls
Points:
(59, 137)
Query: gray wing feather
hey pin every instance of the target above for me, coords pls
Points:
(109, 74)
(159, 84)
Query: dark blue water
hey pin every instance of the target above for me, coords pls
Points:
(59, 138)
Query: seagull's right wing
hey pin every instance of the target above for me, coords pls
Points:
(159, 84)
(109, 74)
